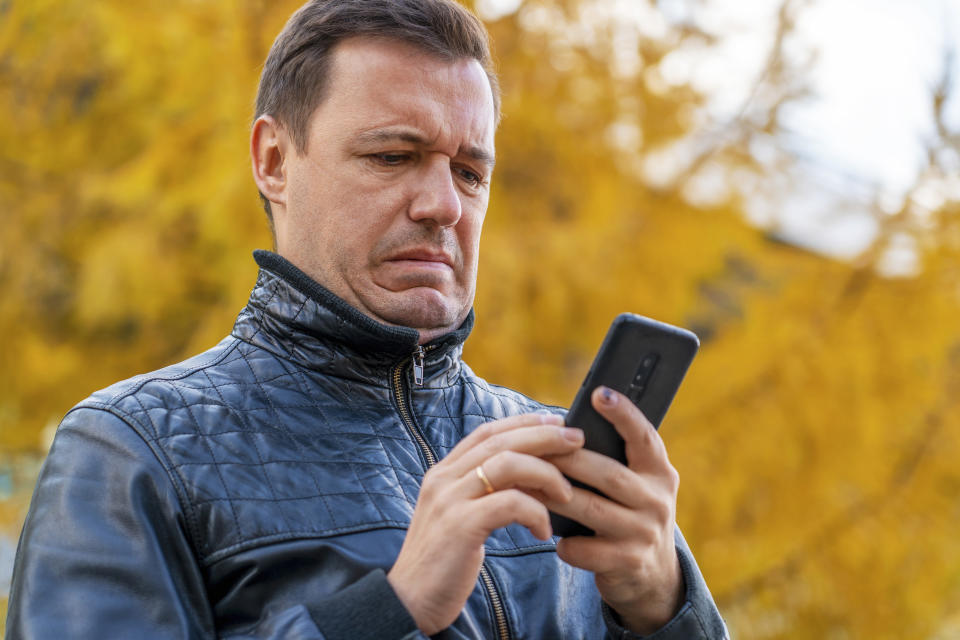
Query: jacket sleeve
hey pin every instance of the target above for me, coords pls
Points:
(697, 619)
(104, 550)
(105, 553)
(368, 608)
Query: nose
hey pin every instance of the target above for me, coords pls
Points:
(435, 195)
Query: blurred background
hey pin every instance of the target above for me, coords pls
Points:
(782, 177)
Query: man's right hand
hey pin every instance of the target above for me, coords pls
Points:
(440, 560)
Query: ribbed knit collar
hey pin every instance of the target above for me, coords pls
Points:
(293, 315)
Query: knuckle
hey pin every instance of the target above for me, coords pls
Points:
(594, 508)
(673, 478)
(492, 445)
(509, 459)
(497, 463)
(430, 484)
(620, 479)
(647, 435)
(640, 560)
(647, 536)
(427, 495)
(511, 505)
(517, 500)
(643, 420)
(556, 475)
(484, 431)
(662, 511)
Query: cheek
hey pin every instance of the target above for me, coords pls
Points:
(470, 235)
(326, 205)
(305, 202)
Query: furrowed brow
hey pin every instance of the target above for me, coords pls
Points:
(380, 136)
(481, 155)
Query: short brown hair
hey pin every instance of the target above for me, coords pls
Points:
(295, 73)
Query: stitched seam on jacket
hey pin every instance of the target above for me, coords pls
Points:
(526, 550)
(276, 422)
(216, 465)
(186, 505)
(390, 463)
(323, 495)
(233, 431)
(126, 392)
(298, 375)
(242, 418)
(508, 393)
(403, 437)
(134, 394)
(449, 416)
(289, 359)
(179, 483)
(287, 536)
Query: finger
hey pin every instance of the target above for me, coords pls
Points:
(502, 508)
(539, 440)
(511, 470)
(633, 489)
(599, 555)
(490, 429)
(612, 520)
(643, 444)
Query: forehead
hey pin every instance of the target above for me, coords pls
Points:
(378, 83)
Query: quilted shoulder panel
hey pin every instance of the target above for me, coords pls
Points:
(265, 450)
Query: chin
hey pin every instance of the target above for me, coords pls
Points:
(425, 310)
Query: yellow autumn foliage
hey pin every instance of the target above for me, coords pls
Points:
(816, 434)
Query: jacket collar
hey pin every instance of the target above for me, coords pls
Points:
(292, 315)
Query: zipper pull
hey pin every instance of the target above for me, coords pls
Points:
(418, 366)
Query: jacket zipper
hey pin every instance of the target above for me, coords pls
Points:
(399, 394)
(499, 615)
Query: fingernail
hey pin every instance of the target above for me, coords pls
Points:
(551, 418)
(573, 435)
(607, 396)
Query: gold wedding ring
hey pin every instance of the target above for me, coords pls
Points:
(484, 479)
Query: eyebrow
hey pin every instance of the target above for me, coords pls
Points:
(379, 136)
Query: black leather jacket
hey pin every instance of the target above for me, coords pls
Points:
(262, 489)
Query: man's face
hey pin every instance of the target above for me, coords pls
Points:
(386, 205)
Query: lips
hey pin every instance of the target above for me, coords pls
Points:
(426, 255)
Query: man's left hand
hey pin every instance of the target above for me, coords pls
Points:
(633, 554)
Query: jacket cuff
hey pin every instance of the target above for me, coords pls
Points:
(368, 608)
(697, 618)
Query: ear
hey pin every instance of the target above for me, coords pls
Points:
(269, 146)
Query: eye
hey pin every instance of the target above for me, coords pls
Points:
(472, 178)
(390, 159)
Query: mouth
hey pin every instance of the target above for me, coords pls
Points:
(423, 257)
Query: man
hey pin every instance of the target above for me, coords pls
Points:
(332, 469)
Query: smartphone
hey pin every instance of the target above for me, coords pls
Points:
(646, 361)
